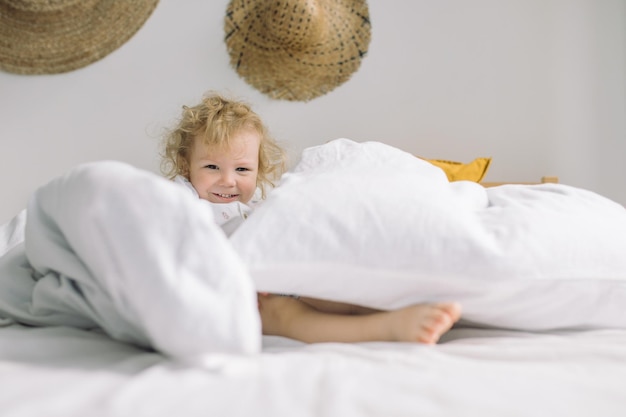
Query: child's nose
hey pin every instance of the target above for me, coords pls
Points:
(228, 178)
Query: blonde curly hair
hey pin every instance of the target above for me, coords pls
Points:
(214, 121)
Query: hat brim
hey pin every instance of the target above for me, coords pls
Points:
(62, 40)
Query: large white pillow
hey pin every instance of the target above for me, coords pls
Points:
(370, 224)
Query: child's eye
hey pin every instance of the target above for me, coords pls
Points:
(242, 169)
(211, 166)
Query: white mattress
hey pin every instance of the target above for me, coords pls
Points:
(59, 371)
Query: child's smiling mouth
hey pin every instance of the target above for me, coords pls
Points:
(226, 196)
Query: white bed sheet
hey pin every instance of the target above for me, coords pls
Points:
(60, 371)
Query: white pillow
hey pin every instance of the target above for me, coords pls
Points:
(369, 224)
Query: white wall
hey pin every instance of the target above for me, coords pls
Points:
(539, 85)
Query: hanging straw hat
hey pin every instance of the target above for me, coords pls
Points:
(296, 49)
(54, 36)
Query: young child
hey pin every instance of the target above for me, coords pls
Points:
(222, 152)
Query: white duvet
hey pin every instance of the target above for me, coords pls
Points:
(110, 246)
(370, 224)
(113, 247)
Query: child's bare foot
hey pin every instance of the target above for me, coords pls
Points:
(423, 323)
(289, 317)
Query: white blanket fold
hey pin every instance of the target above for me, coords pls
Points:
(128, 251)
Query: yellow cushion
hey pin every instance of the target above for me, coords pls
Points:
(457, 171)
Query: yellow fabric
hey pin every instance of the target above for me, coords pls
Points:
(457, 171)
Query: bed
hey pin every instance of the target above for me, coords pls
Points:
(94, 326)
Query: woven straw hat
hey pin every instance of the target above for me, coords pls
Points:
(55, 36)
(296, 49)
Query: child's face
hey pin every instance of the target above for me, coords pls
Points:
(224, 176)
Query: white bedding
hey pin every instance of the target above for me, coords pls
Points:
(124, 250)
(65, 372)
(369, 224)
(110, 246)
(143, 307)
